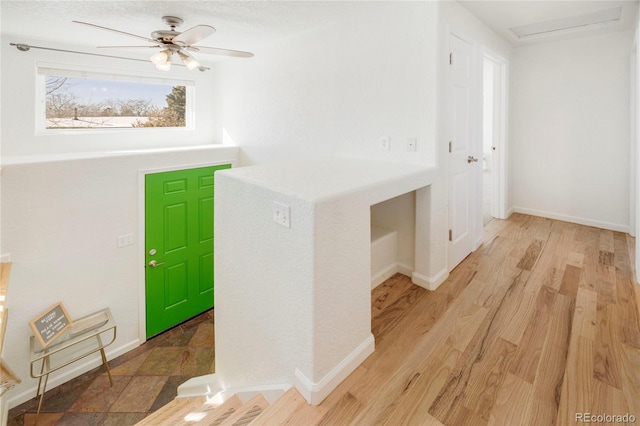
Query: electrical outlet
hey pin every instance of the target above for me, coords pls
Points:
(5, 258)
(282, 214)
(385, 143)
(412, 144)
(125, 240)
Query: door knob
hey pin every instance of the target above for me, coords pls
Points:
(472, 159)
(155, 264)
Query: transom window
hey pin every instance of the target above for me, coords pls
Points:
(82, 100)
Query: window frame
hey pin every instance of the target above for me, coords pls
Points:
(45, 68)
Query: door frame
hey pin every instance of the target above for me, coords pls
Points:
(499, 199)
(142, 282)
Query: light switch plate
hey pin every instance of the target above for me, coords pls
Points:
(125, 240)
(281, 214)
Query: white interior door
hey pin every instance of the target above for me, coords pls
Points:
(489, 141)
(500, 125)
(493, 135)
(462, 162)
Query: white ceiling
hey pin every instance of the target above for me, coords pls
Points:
(245, 25)
(240, 25)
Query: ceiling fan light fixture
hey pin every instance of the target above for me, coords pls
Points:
(161, 57)
(189, 61)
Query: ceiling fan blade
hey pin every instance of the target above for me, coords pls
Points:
(194, 35)
(116, 31)
(129, 47)
(218, 51)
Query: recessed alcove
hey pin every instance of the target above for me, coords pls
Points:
(393, 237)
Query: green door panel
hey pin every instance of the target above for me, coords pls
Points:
(179, 227)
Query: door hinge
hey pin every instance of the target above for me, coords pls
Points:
(450, 234)
(450, 146)
(450, 58)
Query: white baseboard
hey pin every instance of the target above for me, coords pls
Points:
(390, 271)
(479, 241)
(405, 269)
(270, 392)
(211, 387)
(430, 283)
(78, 369)
(509, 213)
(207, 385)
(383, 275)
(316, 392)
(573, 219)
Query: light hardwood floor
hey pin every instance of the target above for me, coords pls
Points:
(541, 323)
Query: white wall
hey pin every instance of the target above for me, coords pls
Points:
(1, 49)
(633, 143)
(338, 90)
(570, 130)
(636, 127)
(3, 399)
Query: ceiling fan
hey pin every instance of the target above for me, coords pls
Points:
(173, 42)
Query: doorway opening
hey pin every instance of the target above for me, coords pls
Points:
(494, 133)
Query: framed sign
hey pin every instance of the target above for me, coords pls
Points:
(50, 324)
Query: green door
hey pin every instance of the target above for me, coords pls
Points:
(178, 246)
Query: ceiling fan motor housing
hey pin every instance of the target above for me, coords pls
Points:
(164, 36)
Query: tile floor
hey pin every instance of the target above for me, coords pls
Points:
(144, 380)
